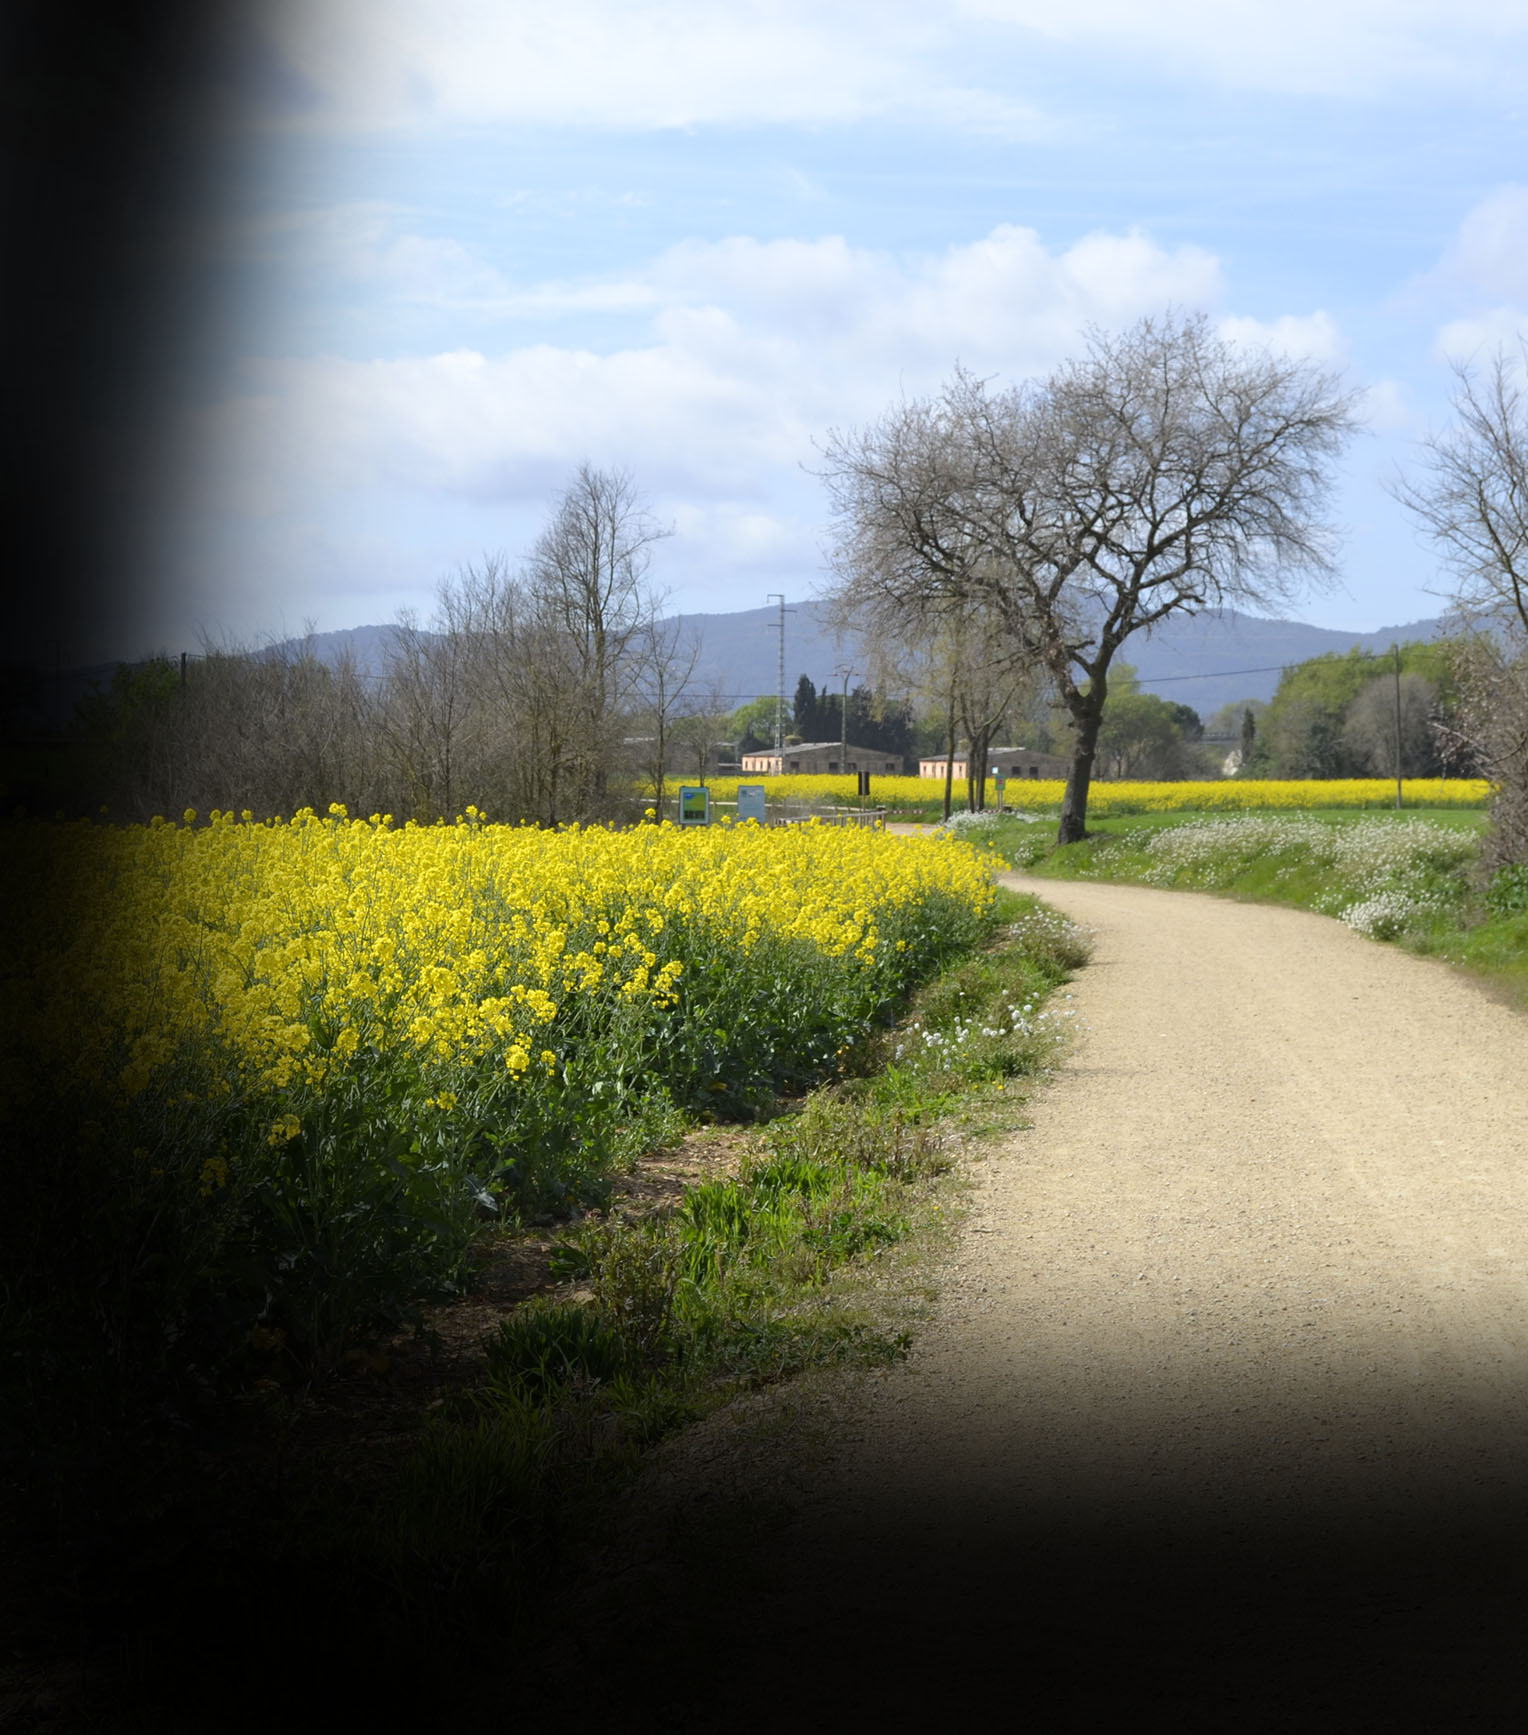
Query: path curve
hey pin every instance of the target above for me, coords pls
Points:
(1271, 1219)
(1227, 1409)
(1225, 1412)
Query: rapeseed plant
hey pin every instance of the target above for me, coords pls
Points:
(343, 1042)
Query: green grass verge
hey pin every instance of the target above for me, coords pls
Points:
(443, 1545)
(740, 1284)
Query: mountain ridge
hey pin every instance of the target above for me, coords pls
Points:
(1205, 661)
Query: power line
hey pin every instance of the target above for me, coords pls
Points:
(1145, 680)
(750, 695)
(1212, 674)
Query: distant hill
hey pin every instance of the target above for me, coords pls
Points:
(1204, 661)
(1210, 660)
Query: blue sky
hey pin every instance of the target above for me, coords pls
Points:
(472, 245)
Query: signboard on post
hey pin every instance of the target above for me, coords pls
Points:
(694, 805)
(750, 802)
(999, 784)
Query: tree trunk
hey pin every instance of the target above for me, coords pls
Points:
(978, 768)
(949, 755)
(1087, 717)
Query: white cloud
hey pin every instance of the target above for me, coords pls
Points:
(618, 64)
(749, 353)
(1388, 408)
(1316, 47)
(1489, 253)
(440, 271)
(756, 349)
(1467, 340)
(1304, 337)
(686, 63)
(1482, 277)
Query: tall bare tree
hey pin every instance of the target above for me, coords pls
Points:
(702, 724)
(667, 659)
(426, 710)
(1163, 473)
(588, 577)
(1389, 726)
(1471, 499)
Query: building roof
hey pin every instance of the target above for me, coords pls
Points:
(833, 746)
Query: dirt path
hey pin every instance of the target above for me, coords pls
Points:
(1226, 1410)
(1268, 1236)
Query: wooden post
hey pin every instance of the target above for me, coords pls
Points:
(949, 755)
(1396, 649)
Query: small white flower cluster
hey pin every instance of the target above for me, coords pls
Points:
(1215, 849)
(1381, 917)
(1011, 1019)
(1366, 855)
(1045, 923)
(965, 820)
(1389, 912)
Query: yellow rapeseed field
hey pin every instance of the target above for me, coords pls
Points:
(1043, 795)
(285, 1069)
(290, 950)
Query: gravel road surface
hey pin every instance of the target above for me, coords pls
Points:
(1225, 1413)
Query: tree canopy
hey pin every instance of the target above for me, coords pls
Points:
(1471, 499)
(1164, 472)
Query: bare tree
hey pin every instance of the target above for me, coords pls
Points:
(426, 711)
(992, 677)
(704, 722)
(1164, 473)
(666, 660)
(521, 686)
(914, 635)
(273, 729)
(1489, 728)
(1471, 499)
(588, 578)
(526, 692)
(1472, 495)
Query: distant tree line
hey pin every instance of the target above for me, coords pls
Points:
(1335, 716)
(885, 726)
(547, 692)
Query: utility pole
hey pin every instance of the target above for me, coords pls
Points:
(1396, 650)
(775, 596)
(843, 721)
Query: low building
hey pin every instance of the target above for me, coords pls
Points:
(1010, 762)
(818, 757)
